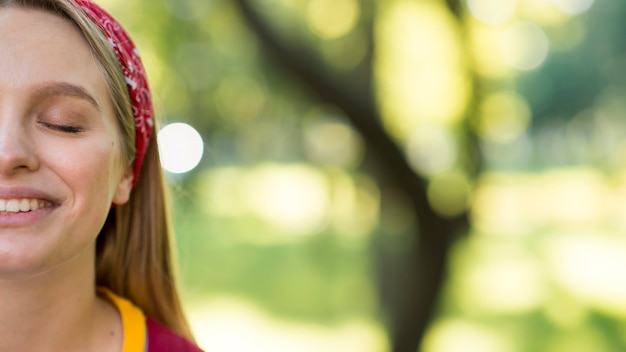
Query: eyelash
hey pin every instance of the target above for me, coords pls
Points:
(63, 128)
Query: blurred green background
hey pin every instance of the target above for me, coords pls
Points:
(300, 228)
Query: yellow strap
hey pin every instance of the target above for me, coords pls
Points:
(133, 321)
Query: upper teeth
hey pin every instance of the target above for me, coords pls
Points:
(21, 205)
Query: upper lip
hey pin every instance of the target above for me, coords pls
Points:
(26, 193)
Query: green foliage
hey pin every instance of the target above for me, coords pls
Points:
(208, 70)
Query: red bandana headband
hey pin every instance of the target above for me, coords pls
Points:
(134, 73)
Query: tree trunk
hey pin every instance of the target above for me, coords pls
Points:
(410, 281)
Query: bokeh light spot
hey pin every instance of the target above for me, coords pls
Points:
(331, 19)
(419, 67)
(448, 193)
(453, 335)
(333, 142)
(181, 147)
(524, 45)
(504, 286)
(504, 116)
(492, 12)
(587, 264)
(296, 198)
(431, 150)
(573, 7)
(227, 324)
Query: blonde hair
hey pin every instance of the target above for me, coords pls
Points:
(133, 251)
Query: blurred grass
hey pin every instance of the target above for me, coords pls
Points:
(312, 278)
(533, 275)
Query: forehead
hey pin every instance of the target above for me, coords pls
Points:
(38, 46)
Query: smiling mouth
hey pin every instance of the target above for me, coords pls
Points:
(24, 205)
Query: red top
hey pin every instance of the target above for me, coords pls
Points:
(162, 339)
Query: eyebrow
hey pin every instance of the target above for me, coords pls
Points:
(66, 89)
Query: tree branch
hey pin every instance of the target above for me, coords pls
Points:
(420, 286)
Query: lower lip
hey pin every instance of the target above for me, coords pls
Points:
(11, 220)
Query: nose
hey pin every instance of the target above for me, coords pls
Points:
(16, 148)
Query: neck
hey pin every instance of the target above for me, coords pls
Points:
(54, 311)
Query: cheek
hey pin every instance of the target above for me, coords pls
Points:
(91, 169)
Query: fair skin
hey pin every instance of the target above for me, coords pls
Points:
(60, 171)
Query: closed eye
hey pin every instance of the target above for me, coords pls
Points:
(63, 128)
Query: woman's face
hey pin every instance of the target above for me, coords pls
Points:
(60, 154)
